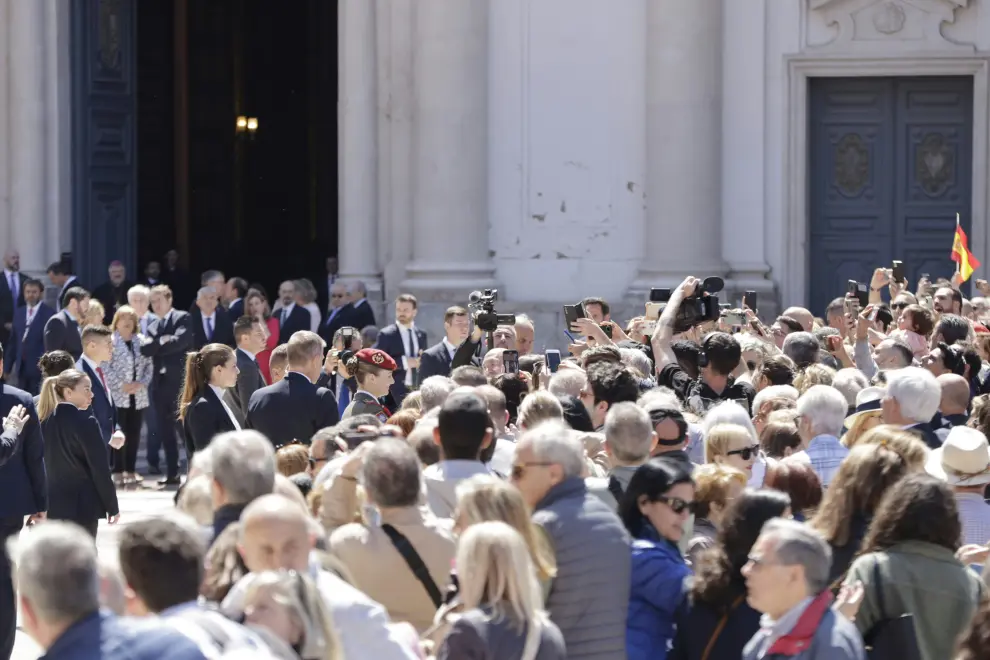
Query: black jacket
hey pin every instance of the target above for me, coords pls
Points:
(205, 417)
(62, 334)
(80, 486)
(102, 408)
(112, 298)
(23, 480)
(927, 434)
(300, 318)
(223, 329)
(292, 409)
(360, 316)
(697, 623)
(435, 361)
(169, 357)
(249, 381)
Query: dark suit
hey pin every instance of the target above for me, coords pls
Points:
(236, 310)
(69, 283)
(205, 418)
(223, 329)
(27, 345)
(9, 301)
(299, 319)
(390, 341)
(249, 380)
(361, 315)
(166, 383)
(435, 361)
(927, 434)
(335, 320)
(23, 491)
(292, 409)
(62, 334)
(112, 297)
(102, 408)
(323, 286)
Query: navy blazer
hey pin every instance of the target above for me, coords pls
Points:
(249, 381)
(22, 354)
(103, 407)
(205, 417)
(109, 637)
(300, 318)
(23, 479)
(223, 329)
(236, 310)
(361, 316)
(335, 320)
(292, 409)
(9, 301)
(390, 341)
(435, 361)
(62, 334)
(169, 358)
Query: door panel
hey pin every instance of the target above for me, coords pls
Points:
(890, 166)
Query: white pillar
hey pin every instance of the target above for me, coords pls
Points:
(358, 144)
(4, 125)
(683, 159)
(450, 149)
(29, 226)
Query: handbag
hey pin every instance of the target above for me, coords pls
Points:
(890, 638)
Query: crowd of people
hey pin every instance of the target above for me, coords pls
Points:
(708, 489)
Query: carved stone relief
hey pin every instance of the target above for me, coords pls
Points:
(881, 26)
(889, 18)
(852, 164)
(934, 164)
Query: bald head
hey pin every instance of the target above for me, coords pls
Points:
(955, 394)
(802, 316)
(275, 535)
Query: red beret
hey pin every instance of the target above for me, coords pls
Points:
(376, 358)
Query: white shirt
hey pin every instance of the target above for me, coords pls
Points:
(248, 353)
(29, 314)
(84, 359)
(450, 347)
(357, 303)
(219, 391)
(410, 348)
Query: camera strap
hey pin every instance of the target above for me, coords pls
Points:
(415, 563)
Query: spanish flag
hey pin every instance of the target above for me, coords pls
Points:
(967, 263)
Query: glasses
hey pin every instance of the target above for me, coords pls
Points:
(745, 452)
(677, 505)
(519, 469)
(336, 295)
(900, 305)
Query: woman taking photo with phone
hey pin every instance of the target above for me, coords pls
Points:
(372, 369)
(202, 410)
(80, 488)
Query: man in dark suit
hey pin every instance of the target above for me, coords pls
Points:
(250, 336)
(62, 329)
(361, 315)
(236, 289)
(23, 491)
(337, 315)
(324, 284)
(27, 343)
(60, 274)
(291, 317)
(97, 350)
(295, 408)
(11, 292)
(404, 343)
(113, 293)
(171, 335)
(210, 324)
(437, 359)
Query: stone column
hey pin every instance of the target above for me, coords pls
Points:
(358, 145)
(683, 146)
(28, 224)
(450, 150)
(4, 125)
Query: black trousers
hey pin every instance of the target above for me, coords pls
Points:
(8, 604)
(125, 458)
(169, 431)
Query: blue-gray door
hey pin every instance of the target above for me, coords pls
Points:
(890, 166)
(104, 134)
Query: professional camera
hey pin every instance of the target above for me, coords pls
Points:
(700, 307)
(482, 306)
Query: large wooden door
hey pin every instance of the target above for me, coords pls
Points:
(890, 166)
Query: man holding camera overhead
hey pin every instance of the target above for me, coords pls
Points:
(720, 355)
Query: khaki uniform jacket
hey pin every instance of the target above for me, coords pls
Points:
(380, 571)
(365, 404)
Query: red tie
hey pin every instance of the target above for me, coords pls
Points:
(99, 372)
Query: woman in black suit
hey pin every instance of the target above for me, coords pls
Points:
(209, 373)
(80, 488)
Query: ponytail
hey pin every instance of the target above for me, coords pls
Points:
(199, 366)
(48, 399)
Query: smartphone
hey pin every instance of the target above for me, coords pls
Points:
(552, 358)
(926, 276)
(749, 300)
(659, 295)
(897, 271)
(357, 438)
(858, 291)
(735, 318)
(607, 329)
(572, 313)
(510, 362)
(653, 312)
(348, 337)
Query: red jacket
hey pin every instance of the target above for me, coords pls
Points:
(801, 635)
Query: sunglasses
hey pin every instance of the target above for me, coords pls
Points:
(745, 452)
(677, 505)
(519, 469)
(898, 305)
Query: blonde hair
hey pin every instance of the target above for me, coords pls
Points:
(95, 311)
(53, 391)
(196, 499)
(495, 570)
(813, 374)
(712, 483)
(905, 444)
(858, 430)
(537, 407)
(413, 401)
(720, 437)
(297, 593)
(484, 498)
(126, 312)
(292, 459)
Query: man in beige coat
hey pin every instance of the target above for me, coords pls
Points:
(390, 473)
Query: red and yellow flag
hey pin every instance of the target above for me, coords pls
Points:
(961, 254)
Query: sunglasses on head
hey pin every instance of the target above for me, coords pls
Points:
(745, 452)
(677, 505)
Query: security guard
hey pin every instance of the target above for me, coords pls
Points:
(372, 369)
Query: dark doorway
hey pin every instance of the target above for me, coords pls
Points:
(259, 204)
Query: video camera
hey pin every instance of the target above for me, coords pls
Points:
(482, 306)
(700, 307)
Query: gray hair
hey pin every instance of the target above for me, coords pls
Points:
(555, 442)
(391, 474)
(57, 571)
(523, 319)
(802, 347)
(206, 290)
(567, 381)
(113, 586)
(435, 390)
(243, 465)
(850, 381)
(728, 412)
(628, 432)
(211, 275)
(660, 398)
(201, 463)
(825, 409)
(637, 359)
(137, 291)
(358, 286)
(952, 328)
(495, 398)
(797, 544)
(916, 391)
(423, 431)
(773, 392)
(538, 407)
(305, 290)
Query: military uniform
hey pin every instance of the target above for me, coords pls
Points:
(365, 404)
